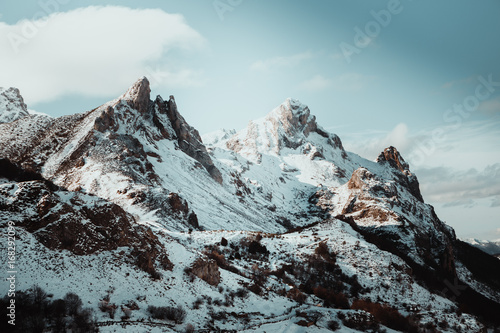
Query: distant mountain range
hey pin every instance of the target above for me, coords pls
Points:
(490, 247)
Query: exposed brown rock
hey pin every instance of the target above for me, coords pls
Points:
(207, 270)
(138, 96)
(180, 206)
(359, 179)
(78, 222)
(105, 121)
(392, 156)
(295, 120)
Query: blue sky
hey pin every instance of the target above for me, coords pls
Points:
(415, 79)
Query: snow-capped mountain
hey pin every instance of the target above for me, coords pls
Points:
(490, 247)
(274, 227)
(12, 106)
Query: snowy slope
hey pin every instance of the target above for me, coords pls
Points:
(383, 274)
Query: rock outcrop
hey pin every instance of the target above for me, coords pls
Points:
(392, 157)
(207, 270)
(138, 96)
(73, 221)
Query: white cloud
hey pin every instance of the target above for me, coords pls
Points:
(460, 187)
(472, 144)
(370, 145)
(94, 51)
(181, 79)
(288, 61)
(457, 170)
(316, 83)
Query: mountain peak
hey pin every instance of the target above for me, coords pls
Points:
(394, 158)
(294, 116)
(12, 106)
(138, 95)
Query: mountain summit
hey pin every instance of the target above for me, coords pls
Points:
(274, 226)
(288, 127)
(12, 106)
(139, 95)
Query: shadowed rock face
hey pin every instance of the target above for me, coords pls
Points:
(189, 139)
(138, 95)
(374, 199)
(73, 221)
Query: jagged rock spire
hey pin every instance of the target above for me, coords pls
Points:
(139, 95)
(394, 158)
(391, 156)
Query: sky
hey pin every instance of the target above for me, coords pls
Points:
(423, 76)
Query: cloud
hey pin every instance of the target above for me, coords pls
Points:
(370, 145)
(288, 61)
(471, 144)
(316, 83)
(184, 78)
(94, 51)
(467, 203)
(458, 187)
(458, 170)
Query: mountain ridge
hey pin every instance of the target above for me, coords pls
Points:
(248, 209)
